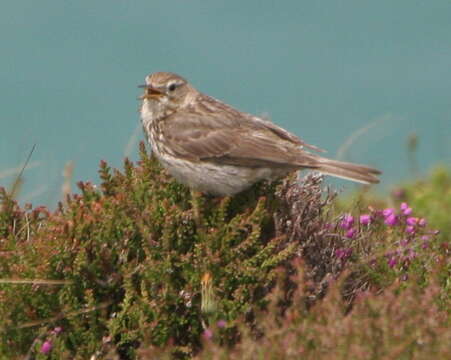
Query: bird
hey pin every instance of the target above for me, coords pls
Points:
(218, 150)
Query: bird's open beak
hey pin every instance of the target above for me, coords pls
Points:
(150, 93)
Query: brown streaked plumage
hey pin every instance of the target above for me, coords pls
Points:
(214, 148)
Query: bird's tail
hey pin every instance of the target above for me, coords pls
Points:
(354, 172)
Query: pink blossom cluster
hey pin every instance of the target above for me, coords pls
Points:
(412, 230)
(209, 332)
(414, 235)
(47, 345)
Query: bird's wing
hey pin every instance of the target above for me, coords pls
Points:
(284, 134)
(233, 140)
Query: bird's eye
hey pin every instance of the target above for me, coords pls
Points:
(172, 87)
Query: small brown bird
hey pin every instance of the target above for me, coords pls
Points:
(216, 149)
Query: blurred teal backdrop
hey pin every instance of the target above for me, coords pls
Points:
(322, 69)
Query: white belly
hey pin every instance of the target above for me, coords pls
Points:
(209, 178)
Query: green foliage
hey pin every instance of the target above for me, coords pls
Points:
(141, 267)
(431, 197)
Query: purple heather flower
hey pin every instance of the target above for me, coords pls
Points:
(388, 212)
(378, 213)
(343, 253)
(347, 221)
(399, 193)
(350, 234)
(391, 220)
(411, 221)
(207, 334)
(46, 347)
(221, 324)
(328, 226)
(425, 244)
(422, 222)
(425, 237)
(410, 229)
(392, 261)
(365, 219)
(339, 253)
(405, 209)
(58, 330)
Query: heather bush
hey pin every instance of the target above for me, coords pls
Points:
(137, 260)
(139, 266)
(402, 322)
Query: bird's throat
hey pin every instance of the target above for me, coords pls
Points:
(155, 111)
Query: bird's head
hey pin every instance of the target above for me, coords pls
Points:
(167, 90)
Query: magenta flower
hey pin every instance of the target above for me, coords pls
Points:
(412, 221)
(425, 237)
(392, 261)
(339, 253)
(347, 221)
(57, 330)
(221, 324)
(378, 213)
(46, 347)
(365, 219)
(422, 222)
(350, 234)
(410, 229)
(399, 193)
(405, 209)
(207, 334)
(343, 253)
(328, 226)
(391, 220)
(388, 212)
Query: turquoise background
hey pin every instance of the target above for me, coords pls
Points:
(321, 69)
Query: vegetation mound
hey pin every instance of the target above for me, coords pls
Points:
(140, 267)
